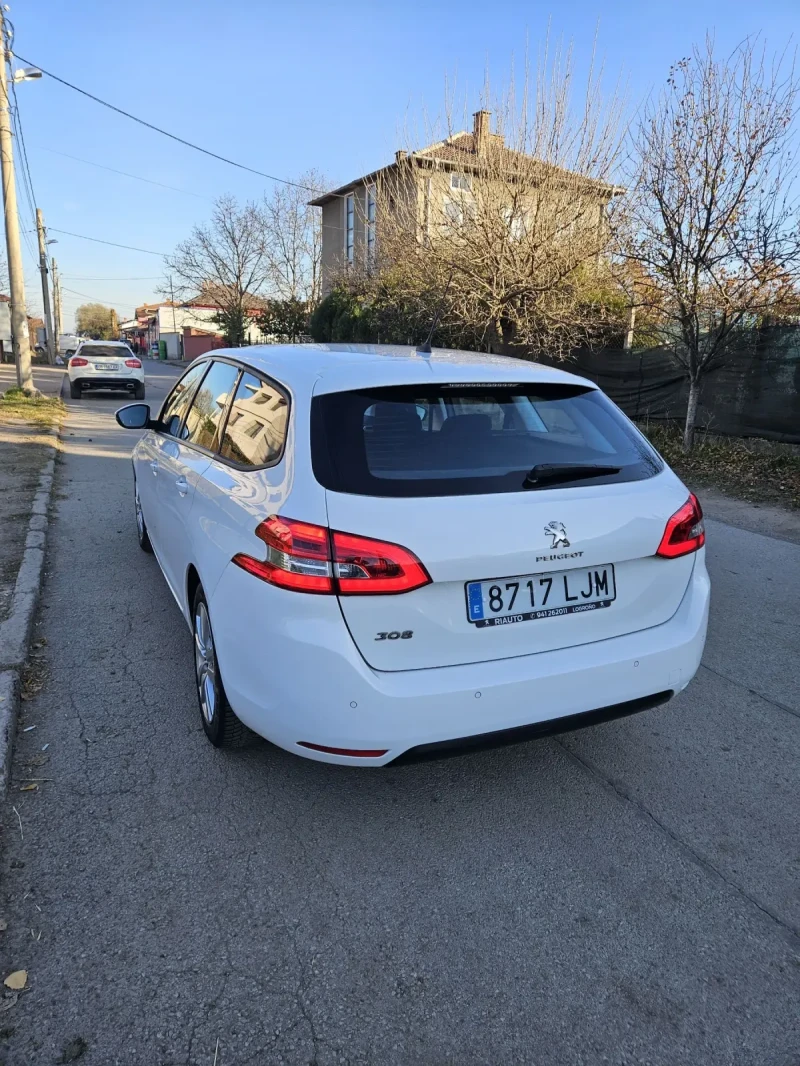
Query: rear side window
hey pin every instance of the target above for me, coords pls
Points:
(256, 428)
(179, 399)
(454, 440)
(208, 408)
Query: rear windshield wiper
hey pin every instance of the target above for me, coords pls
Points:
(550, 473)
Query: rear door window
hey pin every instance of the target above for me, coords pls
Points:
(446, 440)
(178, 401)
(206, 414)
(256, 428)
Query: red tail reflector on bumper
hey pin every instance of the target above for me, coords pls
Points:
(356, 753)
(309, 558)
(685, 532)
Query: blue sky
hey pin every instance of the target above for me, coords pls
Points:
(283, 88)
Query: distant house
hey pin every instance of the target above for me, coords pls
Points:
(439, 180)
(175, 324)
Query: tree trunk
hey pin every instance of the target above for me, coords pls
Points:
(691, 414)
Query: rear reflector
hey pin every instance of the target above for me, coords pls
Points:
(355, 753)
(685, 532)
(309, 558)
(76, 360)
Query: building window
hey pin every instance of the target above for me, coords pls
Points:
(460, 212)
(349, 227)
(461, 181)
(371, 210)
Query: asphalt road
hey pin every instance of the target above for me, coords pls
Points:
(623, 895)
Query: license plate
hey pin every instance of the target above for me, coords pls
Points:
(106, 366)
(505, 600)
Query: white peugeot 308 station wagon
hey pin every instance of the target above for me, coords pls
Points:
(385, 555)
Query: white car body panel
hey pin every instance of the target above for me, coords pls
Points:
(301, 667)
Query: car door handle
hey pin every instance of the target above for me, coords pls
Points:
(182, 485)
(154, 466)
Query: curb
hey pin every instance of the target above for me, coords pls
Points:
(15, 631)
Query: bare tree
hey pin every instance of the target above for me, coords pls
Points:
(710, 222)
(511, 222)
(293, 239)
(225, 262)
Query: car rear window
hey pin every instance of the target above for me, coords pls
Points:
(105, 351)
(454, 440)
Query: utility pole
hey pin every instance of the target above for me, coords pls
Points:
(19, 316)
(174, 325)
(57, 325)
(48, 316)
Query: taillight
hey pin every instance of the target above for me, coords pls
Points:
(363, 565)
(76, 360)
(309, 558)
(685, 531)
(134, 363)
(298, 556)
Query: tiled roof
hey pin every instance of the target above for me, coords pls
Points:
(457, 150)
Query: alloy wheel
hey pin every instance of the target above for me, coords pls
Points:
(205, 663)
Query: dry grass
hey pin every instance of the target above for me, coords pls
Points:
(16, 406)
(749, 469)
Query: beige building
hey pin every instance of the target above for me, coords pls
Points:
(438, 181)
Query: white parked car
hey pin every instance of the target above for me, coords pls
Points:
(384, 555)
(105, 365)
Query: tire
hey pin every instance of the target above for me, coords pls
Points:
(75, 391)
(220, 724)
(141, 527)
(138, 392)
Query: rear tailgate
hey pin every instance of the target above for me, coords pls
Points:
(612, 533)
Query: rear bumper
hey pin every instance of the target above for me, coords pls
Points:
(302, 679)
(121, 382)
(536, 731)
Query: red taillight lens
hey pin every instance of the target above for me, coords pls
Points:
(299, 558)
(365, 566)
(76, 360)
(685, 532)
(134, 363)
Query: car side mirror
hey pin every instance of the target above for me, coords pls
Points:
(134, 416)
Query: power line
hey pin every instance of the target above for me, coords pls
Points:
(80, 277)
(124, 173)
(86, 296)
(83, 237)
(165, 133)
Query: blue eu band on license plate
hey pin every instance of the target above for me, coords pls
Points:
(475, 601)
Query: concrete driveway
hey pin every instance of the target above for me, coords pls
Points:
(623, 895)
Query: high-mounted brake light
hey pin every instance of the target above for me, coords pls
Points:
(78, 360)
(310, 558)
(133, 363)
(685, 532)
